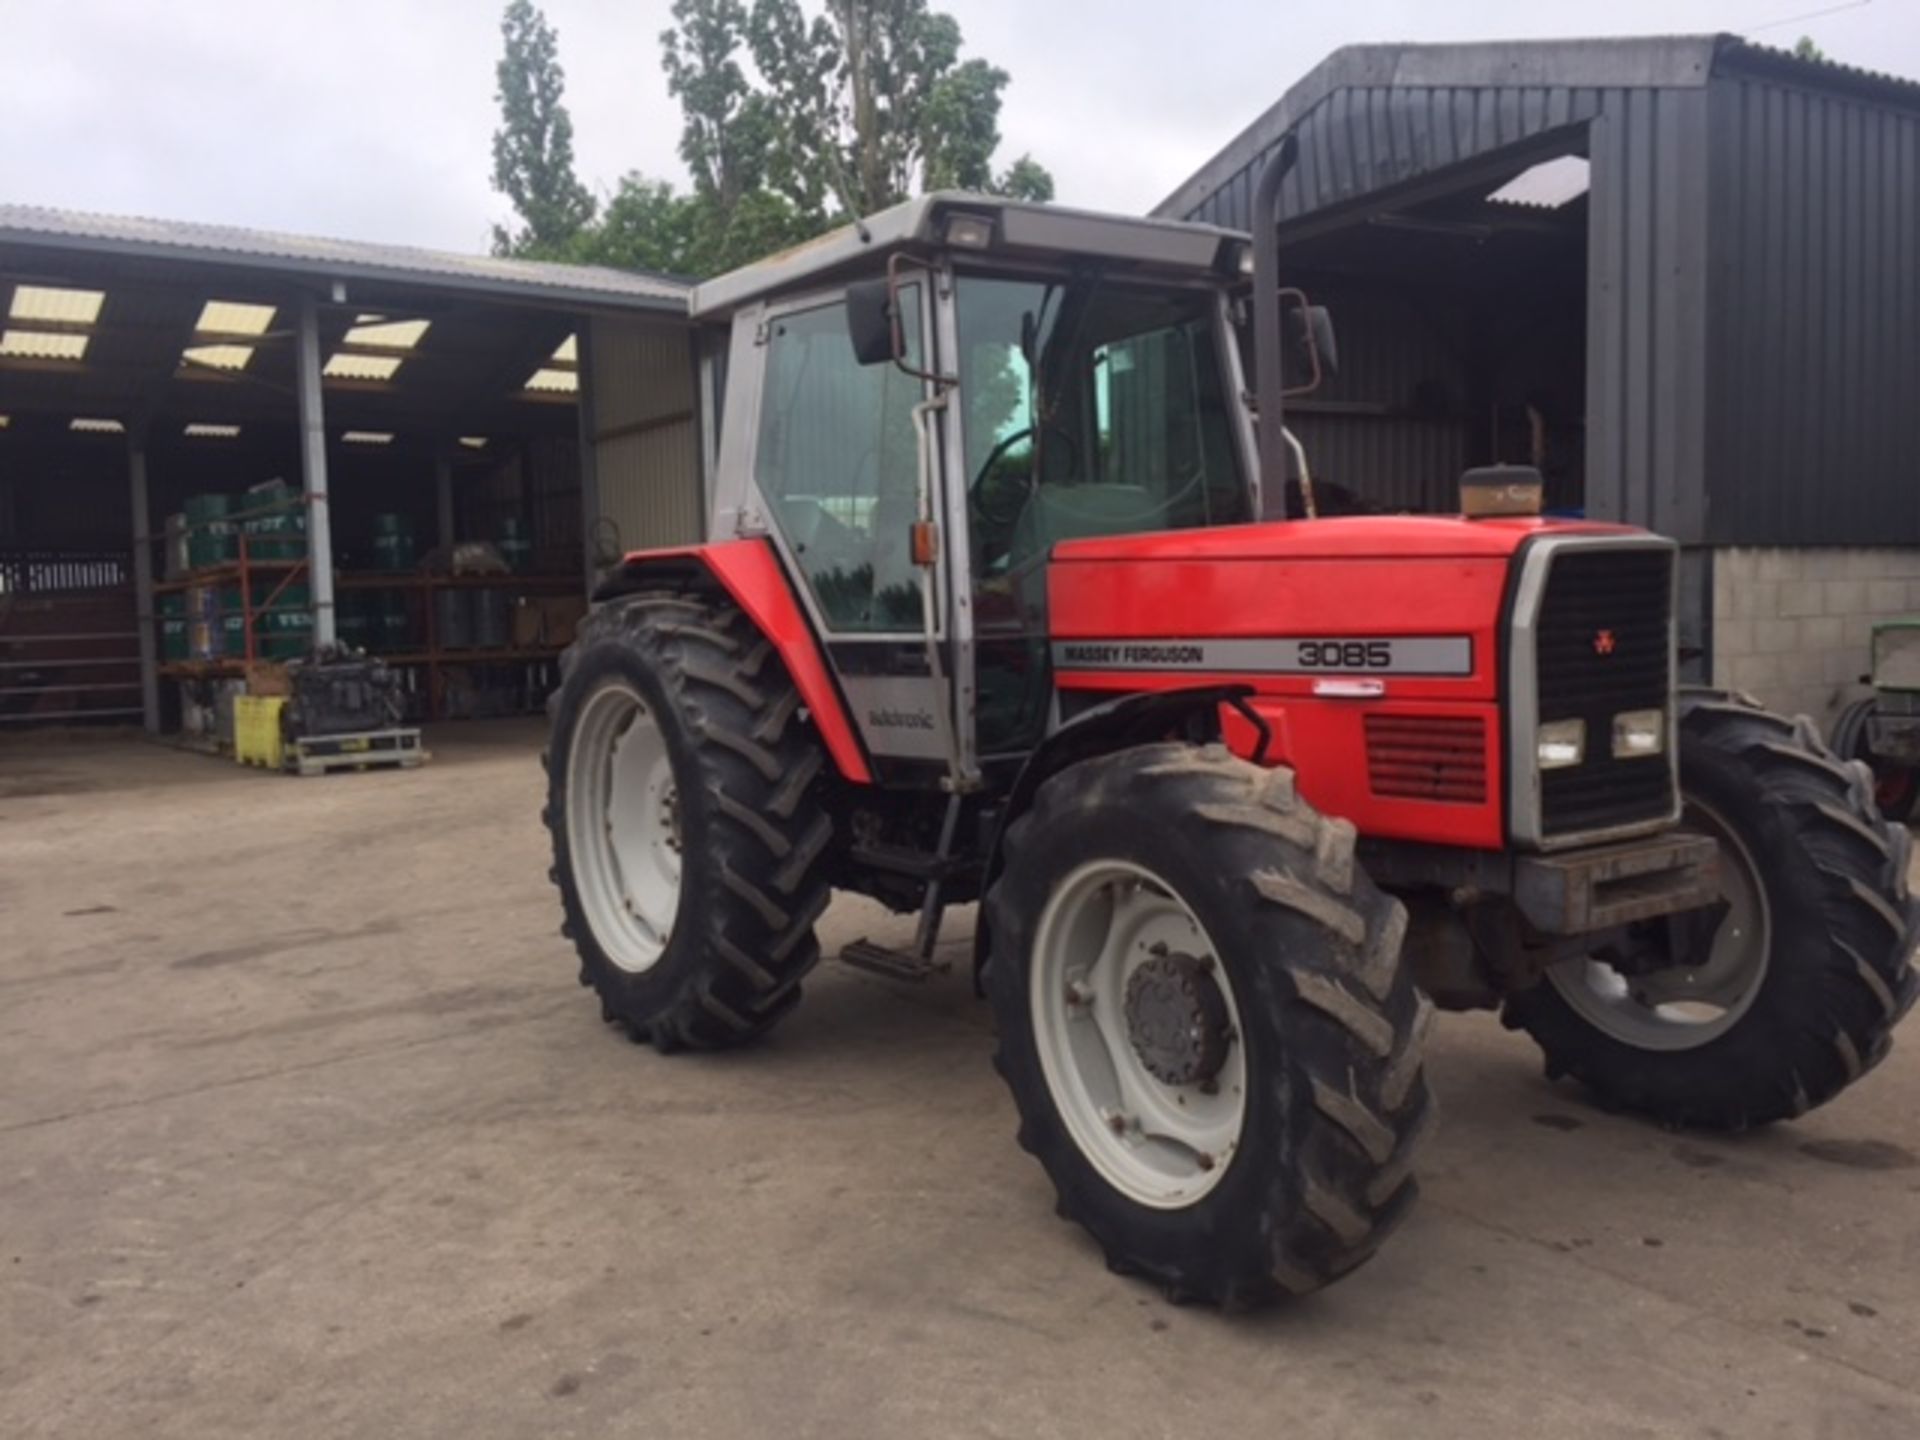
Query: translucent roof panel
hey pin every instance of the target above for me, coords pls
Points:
(343, 366)
(234, 317)
(218, 357)
(62, 306)
(202, 430)
(88, 425)
(387, 334)
(368, 437)
(553, 382)
(43, 345)
(1548, 185)
(474, 442)
(569, 351)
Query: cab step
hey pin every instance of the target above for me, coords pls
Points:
(894, 964)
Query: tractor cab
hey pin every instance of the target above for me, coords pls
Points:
(917, 410)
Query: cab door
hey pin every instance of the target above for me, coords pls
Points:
(834, 470)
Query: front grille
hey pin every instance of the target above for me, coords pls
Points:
(1428, 757)
(1603, 646)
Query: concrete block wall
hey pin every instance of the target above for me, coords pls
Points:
(1791, 626)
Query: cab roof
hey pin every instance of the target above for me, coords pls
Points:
(1017, 227)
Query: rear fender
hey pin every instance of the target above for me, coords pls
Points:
(1139, 719)
(750, 573)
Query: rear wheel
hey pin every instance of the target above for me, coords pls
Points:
(1896, 787)
(1783, 994)
(689, 845)
(1213, 1047)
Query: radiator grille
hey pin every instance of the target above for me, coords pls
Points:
(1428, 757)
(1603, 647)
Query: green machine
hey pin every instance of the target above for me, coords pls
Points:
(1884, 728)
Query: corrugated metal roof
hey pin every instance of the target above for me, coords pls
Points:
(591, 285)
(1545, 66)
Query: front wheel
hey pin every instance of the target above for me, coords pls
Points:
(1784, 993)
(1214, 1049)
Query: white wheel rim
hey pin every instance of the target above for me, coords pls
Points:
(1683, 1008)
(1163, 1145)
(623, 826)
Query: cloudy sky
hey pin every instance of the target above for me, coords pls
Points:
(370, 119)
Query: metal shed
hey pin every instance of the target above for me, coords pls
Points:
(142, 361)
(1684, 273)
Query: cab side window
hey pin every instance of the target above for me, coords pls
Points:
(837, 463)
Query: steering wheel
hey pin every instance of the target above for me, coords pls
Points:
(976, 489)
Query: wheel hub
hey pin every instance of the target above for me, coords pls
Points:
(1177, 1019)
(624, 831)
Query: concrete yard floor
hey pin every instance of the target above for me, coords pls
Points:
(306, 1131)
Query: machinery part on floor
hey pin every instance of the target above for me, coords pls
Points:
(689, 845)
(335, 693)
(1788, 991)
(1202, 1013)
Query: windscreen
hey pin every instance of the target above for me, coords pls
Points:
(1090, 408)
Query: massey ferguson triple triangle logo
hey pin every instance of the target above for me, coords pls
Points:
(1603, 642)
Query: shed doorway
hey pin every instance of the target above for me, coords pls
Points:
(1461, 306)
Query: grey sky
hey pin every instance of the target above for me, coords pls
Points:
(371, 119)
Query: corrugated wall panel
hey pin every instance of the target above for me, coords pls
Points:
(1646, 311)
(1396, 464)
(1390, 426)
(646, 450)
(1814, 335)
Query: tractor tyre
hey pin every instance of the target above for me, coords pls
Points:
(1896, 787)
(1773, 1005)
(1213, 1047)
(690, 845)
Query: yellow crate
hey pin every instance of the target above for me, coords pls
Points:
(256, 730)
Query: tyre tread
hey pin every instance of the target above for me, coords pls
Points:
(770, 835)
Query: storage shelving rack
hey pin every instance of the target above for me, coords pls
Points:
(432, 658)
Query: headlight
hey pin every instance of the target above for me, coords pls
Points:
(1561, 743)
(1639, 732)
(970, 232)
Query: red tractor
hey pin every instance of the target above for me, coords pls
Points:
(1001, 602)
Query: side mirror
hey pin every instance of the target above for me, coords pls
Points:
(870, 322)
(1311, 349)
(1320, 336)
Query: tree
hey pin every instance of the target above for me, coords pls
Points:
(790, 120)
(643, 225)
(727, 128)
(533, 148)
(1805, 49)
(874, 94)
(1025, 179)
